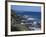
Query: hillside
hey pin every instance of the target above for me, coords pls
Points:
(16, 23)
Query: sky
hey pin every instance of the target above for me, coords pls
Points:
(26, 8)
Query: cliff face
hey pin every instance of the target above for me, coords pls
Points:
(16, 22)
